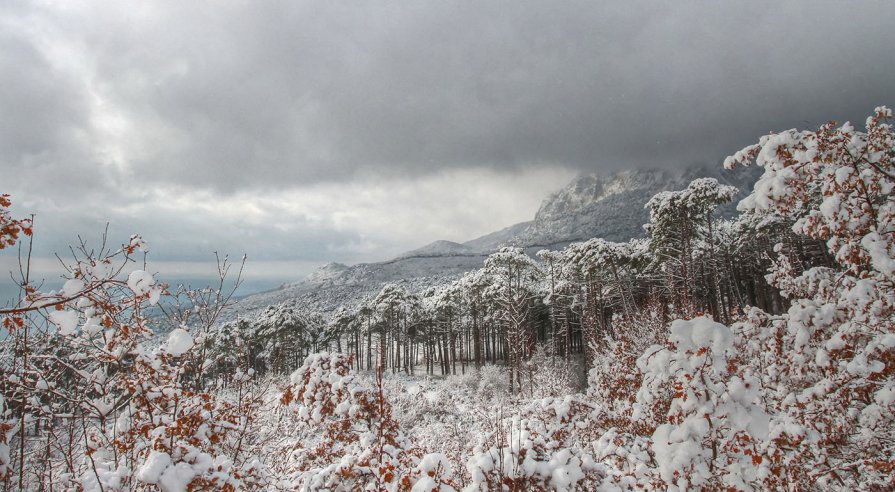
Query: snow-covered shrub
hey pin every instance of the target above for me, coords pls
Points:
(828, 365)
(433, 473)
(715, 424)
(165, 433)
(545, 375)
(113, 413)
(463, 383)
(361, 445)
(615, 378)
(627, 460)
(536, 449)
(493, 382)
(439, 416)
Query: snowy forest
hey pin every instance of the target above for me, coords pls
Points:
(748, 353)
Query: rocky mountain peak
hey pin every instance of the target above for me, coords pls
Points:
(611, 205)
(587, 190)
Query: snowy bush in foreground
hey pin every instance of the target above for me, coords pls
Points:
(537, 448)
(615, 378)
(714, 424)
(112, 413)
(827, 366)
(362, 446)
(795, 401)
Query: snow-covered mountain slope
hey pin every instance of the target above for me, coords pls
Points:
(441, 248)
(326, 272)
(491, 241)
(609, 205)
(325, 293)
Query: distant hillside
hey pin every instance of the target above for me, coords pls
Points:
(326, 272)
(491, 241)
(441, 248)
(325, 293)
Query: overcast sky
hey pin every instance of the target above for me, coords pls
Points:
(301, 132)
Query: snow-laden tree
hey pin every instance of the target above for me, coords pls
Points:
(230, 348)
(287, 333)
(276, 340)
(514, 275)
(680, 223)
(602, 274)
(473, 288)
(560, 300)
(394, 308)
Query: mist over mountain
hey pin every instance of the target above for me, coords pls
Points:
(606, 205)
(609, 205)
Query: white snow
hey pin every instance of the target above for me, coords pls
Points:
(66, 320)
(153, 468)
(878, 248)
(700, 332)
(72, 287)
(140, 282)
(176, 478)
(179, 342)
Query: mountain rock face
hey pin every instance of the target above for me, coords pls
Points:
(609, 205)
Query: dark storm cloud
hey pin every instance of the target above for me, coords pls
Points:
(299, 92)
(330, 90)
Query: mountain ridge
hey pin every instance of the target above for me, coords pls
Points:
(440, 247)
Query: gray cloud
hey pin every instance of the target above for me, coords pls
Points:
(307, 91)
